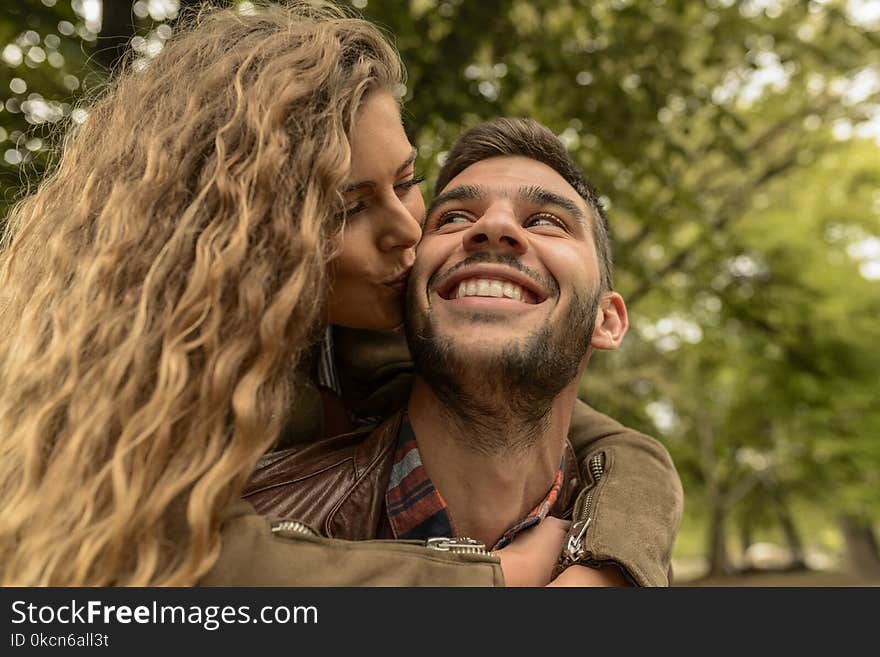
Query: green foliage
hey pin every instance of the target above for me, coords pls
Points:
(42, 69)
(52, 61)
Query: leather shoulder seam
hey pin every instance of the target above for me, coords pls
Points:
(296, 480)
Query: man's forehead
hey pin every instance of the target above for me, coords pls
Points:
(498, 173)
(488, 170)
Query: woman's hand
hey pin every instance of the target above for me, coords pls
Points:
(530, 559)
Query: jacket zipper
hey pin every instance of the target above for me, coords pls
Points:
(574, 548)
(457, 545)
(294, 526)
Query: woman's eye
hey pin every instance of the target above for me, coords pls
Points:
(406, 185)
(354, 209)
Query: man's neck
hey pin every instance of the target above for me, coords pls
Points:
(488, 490)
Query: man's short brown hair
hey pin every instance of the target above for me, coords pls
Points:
(505, 137)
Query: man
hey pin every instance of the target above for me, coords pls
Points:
(510, 294)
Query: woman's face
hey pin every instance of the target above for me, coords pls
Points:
(385, 210)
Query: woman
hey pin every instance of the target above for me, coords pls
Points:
(159, 288)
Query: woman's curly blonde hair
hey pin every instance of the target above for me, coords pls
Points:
(159, 287)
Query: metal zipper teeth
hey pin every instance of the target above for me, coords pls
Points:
(469, 550)
(458, 545)
(574, 547)
(292, 526)
(597, 469)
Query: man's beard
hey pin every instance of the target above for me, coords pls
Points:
(502, 399)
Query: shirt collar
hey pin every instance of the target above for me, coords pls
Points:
(415, 509)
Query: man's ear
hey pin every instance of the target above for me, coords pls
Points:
(611, 322)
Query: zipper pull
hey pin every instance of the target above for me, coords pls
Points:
(457, 545)
(574, 546)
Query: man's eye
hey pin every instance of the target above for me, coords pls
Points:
(539, 220)
(453, 218)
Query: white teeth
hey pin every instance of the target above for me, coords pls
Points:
(489, 287)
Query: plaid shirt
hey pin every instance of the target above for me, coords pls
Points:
(414, 509)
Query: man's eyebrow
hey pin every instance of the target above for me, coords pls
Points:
(369, 183)
(542, 196)
(460, 193)
(533, 194)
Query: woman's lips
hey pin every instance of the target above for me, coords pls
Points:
(399, 282)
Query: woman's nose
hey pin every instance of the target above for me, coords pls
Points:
(402, 230)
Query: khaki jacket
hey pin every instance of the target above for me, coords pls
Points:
(257, 552)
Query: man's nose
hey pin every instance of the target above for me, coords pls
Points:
(498, 229)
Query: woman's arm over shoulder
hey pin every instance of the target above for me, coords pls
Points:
(637, 499)
(252, 554)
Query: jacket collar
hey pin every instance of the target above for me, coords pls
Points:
(363, 504)
(337, 485)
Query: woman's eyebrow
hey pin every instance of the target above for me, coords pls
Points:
(408, 161)
(369, 183)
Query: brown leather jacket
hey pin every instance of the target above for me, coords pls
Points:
(337, 485)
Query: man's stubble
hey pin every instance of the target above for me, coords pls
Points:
(501, 399)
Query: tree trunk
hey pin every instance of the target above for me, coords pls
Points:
(862, 555)
(119, 25)
(719, 560)
(117, 29)
(746, 537)
(792, 537)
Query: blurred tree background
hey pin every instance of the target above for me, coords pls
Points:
(735, 143)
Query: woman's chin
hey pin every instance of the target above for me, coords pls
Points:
(386, 323)
(390, 321)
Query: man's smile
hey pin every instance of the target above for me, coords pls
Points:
(491, 285)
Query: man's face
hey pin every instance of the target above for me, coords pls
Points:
(506, 270)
